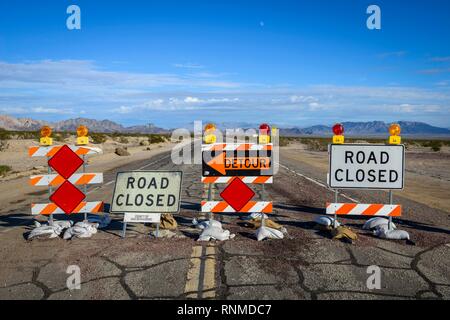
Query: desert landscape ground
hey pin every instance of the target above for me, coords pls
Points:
(307, 264)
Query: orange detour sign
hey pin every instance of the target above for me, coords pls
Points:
(237, 160)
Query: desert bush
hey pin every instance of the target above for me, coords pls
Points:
(123, 140)
(98, 138)
(4, 170)
(156, 138)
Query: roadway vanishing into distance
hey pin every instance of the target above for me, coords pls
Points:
(307, 264)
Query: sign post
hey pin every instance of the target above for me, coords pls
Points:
(142, 196)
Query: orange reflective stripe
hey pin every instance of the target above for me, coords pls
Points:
(397, 212)
(57, 181)
(49, 209)
(372, 209)
(85, 178)
(268, 208)
(248, 206)
(79, 207)
(32, 150)
(34, 181)
(209, 179)
(346, 208)
(261, 179)
(98, 208)
(52, 151)
(82, 151)
(220, 207)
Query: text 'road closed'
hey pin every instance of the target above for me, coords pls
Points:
(366, 166)
(147, 191)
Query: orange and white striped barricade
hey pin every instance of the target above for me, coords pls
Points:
(63, 162)
(359, 209)
(236, 164)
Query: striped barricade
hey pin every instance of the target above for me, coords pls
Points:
(236, 147)
(51, 208)
(249, 180)
(358, 209)
(56, 179)
(51, 150)
(223, 206)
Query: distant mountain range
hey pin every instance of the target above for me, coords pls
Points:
(104, 126)
(372, 128)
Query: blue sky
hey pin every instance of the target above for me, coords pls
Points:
(293, 63)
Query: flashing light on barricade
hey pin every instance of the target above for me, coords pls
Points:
(264, 134)
(338, 130)
(209, 135)
(45, 139)
(394, 131)
(82, 132)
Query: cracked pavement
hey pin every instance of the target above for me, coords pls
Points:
(307, 264)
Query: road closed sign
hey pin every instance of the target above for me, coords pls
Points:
(147, 192)
(364, 166)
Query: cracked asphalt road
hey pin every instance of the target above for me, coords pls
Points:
(304, 265)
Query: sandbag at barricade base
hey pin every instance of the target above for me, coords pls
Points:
(214, 231)
(391, 234)
(49, 231)
(378, 222)
(81, 230)
(326, 221)
(268, 233)
(206, 223)
(345, 233)
(168, 222)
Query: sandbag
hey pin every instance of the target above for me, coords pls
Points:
(268, 233)
(391, 234)
(49, 231)
(206, 223)
(342, 232)
(377, 221)
(326, 221)
(168, 222)
(215, 233)
(81, 230)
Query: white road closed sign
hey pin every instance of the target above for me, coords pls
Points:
(147, 192)
(365, 166)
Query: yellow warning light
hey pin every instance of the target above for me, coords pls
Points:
(209, 136)
(45, 139)
(394, 131)
(82, 132)
(264, 134)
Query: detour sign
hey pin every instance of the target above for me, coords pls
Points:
(147, 192)
(241, 163)
(366, 166)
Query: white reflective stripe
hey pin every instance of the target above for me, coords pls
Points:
(208, 205)
(259, 206)
(386, 210)
(359, 209)
(333, 207)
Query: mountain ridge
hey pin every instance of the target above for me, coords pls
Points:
(108, 126)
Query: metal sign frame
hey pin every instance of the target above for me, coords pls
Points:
(330, 148)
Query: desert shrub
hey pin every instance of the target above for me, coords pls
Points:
(4, 170)
(4, 135)
(98, 138)
(316, 144)
(123, 140)
(436, 146)
(61, 136)
(284, 141)
(156, 138)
